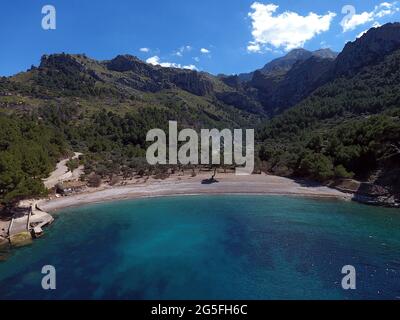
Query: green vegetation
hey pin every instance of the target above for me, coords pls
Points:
(347, 128)
(73, 164)
(28, 152)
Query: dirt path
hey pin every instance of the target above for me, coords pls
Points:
(62, 173)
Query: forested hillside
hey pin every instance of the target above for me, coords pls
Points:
(28, 152)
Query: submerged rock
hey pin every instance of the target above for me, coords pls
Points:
(21, 239)
(4, 244)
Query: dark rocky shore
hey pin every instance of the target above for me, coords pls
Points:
(368, 193)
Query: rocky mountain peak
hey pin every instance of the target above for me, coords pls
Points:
(297, 54)
(126, 62)
(325, 53)
(61, 61)
(282, 65)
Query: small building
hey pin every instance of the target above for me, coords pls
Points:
(70, 187)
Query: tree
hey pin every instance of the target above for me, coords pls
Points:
(73, 164)
(341, 172)
(317, 166)
(94, 181)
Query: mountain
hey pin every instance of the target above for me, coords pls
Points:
(282, 65)
(348, 127)
(126, 82)
(286, 81)
(285, 64)
(317, 115)
(125, 73)
(302, 79)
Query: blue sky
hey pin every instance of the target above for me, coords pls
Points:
(174, 32)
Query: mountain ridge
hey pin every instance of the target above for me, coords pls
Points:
(279, 85)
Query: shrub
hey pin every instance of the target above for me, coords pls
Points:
(94, 181)
(317, 166)
(114, 180)
(341, 172)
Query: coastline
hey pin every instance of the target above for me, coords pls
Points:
(185, 185)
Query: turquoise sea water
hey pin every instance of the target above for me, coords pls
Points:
(212, 247)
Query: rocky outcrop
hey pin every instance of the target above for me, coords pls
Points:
(367, 193)
(192, 82)
(62, 62)
(369, 49)
(21, 239)
(146, 77)
(346, 185)
(4, 244)
(124, 63)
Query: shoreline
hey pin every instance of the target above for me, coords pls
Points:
(228, 184)
(55, 210)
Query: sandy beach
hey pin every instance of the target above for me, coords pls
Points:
(186, 185)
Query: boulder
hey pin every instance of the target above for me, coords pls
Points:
(21, 239)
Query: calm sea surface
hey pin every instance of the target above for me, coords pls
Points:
(212, 247)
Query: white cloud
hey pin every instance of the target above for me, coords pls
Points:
(254, 47)
(386, 9)
(197, 59)
(190, 67)
(356, 20)
(180, 52)
(375, 25)
(325, 45)
(362, 33)
(380, 11)
(144, 50)
(204, 50)
(287, 30)
(155, 61)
